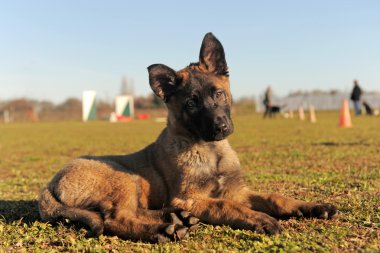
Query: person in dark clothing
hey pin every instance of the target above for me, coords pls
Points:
(268, 102)
(355, 97)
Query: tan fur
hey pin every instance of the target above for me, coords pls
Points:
(131, 195)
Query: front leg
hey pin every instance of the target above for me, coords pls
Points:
(283, 207)
(274, 205)
(227, 212)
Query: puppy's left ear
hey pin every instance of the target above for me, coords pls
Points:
(163, 80)
(212, 55)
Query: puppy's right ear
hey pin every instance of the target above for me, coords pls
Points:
(163, 80)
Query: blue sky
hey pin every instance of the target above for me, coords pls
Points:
(56, 49)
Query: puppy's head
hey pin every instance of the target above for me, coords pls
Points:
(198, 97)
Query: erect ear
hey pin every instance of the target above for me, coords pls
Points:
(163, 80)
(212, 55)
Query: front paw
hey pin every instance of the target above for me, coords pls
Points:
(318, 210)
(171, 232)
(184, 218)
(180, 223)
(265, 224)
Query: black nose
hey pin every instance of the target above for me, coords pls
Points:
(221, 127)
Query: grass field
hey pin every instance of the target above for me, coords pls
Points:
(307, 161)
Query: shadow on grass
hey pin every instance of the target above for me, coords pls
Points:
(14, 210)
(331, 143)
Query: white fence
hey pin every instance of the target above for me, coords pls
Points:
(319, 101)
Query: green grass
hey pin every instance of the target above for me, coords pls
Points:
(299, 159)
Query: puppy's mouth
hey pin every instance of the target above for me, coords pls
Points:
(219, 134)
(219, 137)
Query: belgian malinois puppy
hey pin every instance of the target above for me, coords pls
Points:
(190, 172)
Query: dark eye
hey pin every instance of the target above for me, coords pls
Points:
(219, 93)
(190, 103)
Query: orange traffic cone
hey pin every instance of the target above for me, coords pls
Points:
(313, 118)
(301, 113)
(345, 117)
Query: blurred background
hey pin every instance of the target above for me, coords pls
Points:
(309, 52)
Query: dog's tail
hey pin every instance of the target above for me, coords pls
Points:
(51, 210)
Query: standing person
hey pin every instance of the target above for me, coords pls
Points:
(268, 102)
(355, 97)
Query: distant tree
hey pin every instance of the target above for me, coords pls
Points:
(21, 109)
(103, 109)
(245, 105)
(70, 109)
(45, 106)
(334, 92)
(143, 102)
(70, 105)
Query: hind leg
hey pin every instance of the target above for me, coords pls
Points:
(51, 210)
(144, 227)
(92, 220)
